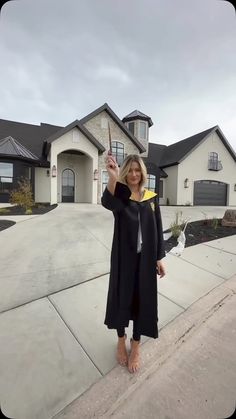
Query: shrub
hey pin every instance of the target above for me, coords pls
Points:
(28, 211)
(22, 196)
(215, 223)
(175, 229)
(177, 225)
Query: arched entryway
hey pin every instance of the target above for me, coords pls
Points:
(68, 186)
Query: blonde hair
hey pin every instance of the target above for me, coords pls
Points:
(124, 170)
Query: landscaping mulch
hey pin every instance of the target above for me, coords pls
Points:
(37, 209)
(17, 210)
(201, 231)
(6, 224)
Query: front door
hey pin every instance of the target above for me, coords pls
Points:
(68, 186)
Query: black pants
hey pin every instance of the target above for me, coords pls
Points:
(121, 330)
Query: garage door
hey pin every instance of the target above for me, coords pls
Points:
(209, 192)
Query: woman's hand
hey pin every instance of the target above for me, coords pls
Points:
(161, 268)
(112, 167)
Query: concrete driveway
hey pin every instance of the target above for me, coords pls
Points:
(54, 281)
(44, 254)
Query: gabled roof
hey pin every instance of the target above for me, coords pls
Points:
(177, 152)
(117, 120)
(138, 115)
(83, 129)
(11, 147)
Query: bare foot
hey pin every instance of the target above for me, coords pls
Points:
(134, 361)
(122, 356)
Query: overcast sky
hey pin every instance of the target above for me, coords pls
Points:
(173, 60)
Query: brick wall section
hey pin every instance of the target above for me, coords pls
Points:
(95, 127)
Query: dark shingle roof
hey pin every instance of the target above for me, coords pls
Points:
(28, 135)
(137, 115)
(11, 147)
(155, 152)
(174, 153)
(164, 156)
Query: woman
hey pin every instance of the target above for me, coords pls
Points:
(136, 255)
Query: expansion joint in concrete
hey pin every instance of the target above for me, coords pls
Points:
(73, 334)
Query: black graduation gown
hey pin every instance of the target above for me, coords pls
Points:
(124, 255)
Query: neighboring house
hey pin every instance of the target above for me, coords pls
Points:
(66, 164)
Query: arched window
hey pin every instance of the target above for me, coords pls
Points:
(68, 185)
(117, 149)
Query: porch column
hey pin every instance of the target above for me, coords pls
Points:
(53, 162)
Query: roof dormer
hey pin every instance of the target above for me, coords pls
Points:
(138, 124)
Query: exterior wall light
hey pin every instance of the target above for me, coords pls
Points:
(235, 186)
(48, 173)
(54, 171)
(186, 183)
(95, 174)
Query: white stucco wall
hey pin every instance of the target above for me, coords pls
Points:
(195, 167)
(171, 185)
(86, 187)
(42, 185)
(82, 168)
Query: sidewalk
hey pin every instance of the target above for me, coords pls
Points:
(189, 372)
(54, 346)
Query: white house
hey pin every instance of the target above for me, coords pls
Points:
(66, 164)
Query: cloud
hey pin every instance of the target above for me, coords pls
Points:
(174, 61)
(110, 73)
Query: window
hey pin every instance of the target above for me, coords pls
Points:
(131, 127)
(143, 130)
(118, 151)
(213, 156)
(6, 177)
(6, 172)
(151, 182)
(161, 189)
(105, 178)
(213, 161)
